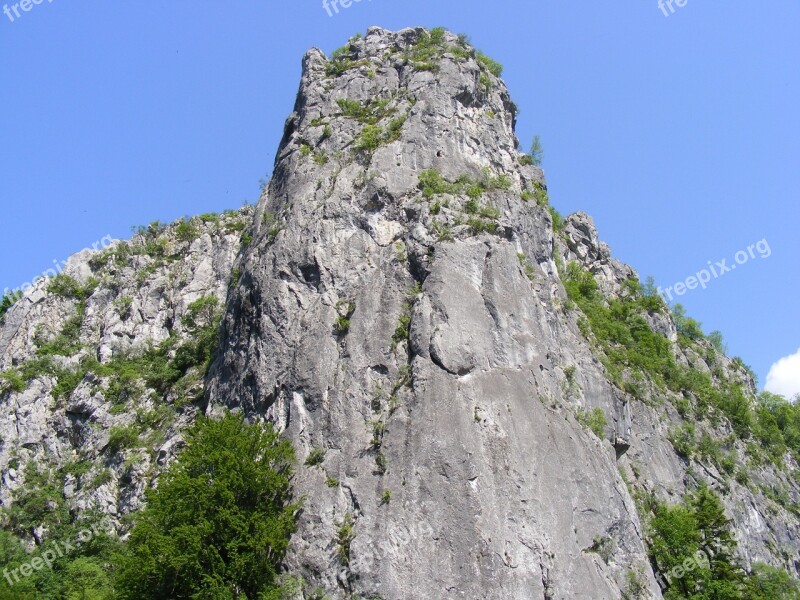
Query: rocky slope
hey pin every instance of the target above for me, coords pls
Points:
(87, 389)
(397, 306)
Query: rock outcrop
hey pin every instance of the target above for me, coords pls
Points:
(397, 307)
(70, 354)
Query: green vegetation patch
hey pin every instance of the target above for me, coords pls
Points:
(345, 535)
(316, 457)
(432, 183)
(631, 351)
(594, 420)
(491, 65)
(342, 61)
(83, 572)
(693, 549)
(621, 331)
(429, 49)
(219, 520)
(164, 368)
(7, 302)
(369, 113)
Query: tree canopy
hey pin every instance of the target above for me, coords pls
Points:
(218, 524)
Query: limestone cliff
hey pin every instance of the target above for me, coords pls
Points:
(396, 305)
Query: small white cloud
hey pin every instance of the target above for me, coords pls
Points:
(784, 376)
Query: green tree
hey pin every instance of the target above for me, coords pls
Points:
(7, 302)
(86, 578)
(82, 573)
(693, 549)
(218, 524)
(201, 314)
(778, 425)
(716, 539)
(769, 583)
(688, 328)
(716, 339)
(537, 151)
(676, 541)
(12, 555)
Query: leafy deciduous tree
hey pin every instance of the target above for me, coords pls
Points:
(218, 524)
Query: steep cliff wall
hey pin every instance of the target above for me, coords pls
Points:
(401, 309)
(402, 304)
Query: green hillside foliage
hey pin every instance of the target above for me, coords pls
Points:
(216, 526)
(693, 550)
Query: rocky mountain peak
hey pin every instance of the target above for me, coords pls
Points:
(397, 313)
(403, 102)
(483, 400)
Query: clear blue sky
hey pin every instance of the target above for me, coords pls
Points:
(679, 134)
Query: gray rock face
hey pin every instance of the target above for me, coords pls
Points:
(767, 532)
(393, 301)
(464, 420)
(140, 292)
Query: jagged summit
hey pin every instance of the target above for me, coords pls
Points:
(387, 74)
(407, 308)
